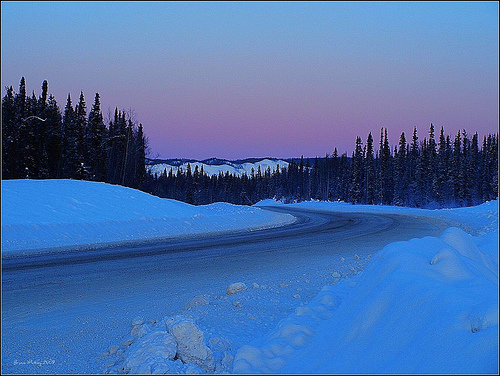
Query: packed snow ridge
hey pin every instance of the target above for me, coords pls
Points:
(47, 214)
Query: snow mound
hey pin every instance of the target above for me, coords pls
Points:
(427, 305)
(43, 214)
(174, 345)
(154, 354)
(191, 347)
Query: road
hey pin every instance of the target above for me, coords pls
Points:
(61, 311)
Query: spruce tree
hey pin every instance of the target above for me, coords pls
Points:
(140, 158)
(413, 157)
(369, 172)
(53, 143)
(386, 174)
(10, 131)
(20, 119)
(431, 166)
(71, 159)
(29, 140)
(95, 156)
(356, 183)
(81, 130)
(457, 178)
(443, 187)
(475, 170)
(401, 181)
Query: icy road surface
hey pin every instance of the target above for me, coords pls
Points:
(62, 312)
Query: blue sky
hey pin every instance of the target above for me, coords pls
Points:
(282, 79)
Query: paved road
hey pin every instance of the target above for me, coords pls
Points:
(64, 307)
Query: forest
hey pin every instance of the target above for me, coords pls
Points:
(427, 174)
(41, 142)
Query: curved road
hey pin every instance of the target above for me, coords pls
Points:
(60, 308)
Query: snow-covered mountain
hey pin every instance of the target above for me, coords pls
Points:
(214, 166)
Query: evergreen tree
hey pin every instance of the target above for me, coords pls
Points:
(490, 170)
(71, 159)
(401, 181)
(457, 169)
(10, 131)
(412, 165)
(95, 157)
(81, 130)
(53, 143)
(386, 183)
(43, 98)
(140, 158)
(116, 148)
(332, 191)
(466, 168)
(40, 131)
(29, 140)
(21, 132)
(369, 172)
(128, 161)
(20, 101)
(431, 166)
(443, 186)
(474, 170)
(356, 186)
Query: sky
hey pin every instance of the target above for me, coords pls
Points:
(263, 79)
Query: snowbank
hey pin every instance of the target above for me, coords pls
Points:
(41, 214)
(427, 305)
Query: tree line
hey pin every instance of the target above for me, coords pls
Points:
(40, 142)
(449, 172)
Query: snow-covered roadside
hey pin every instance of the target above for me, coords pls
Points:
(46, 214)
(217, 323)
(427, 305)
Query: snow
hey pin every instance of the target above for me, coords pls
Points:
(233, 288)
(211, 169)
(426, 305)
(46, 214)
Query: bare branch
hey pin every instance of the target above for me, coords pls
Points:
(33, 117)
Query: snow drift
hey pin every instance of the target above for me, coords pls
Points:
(427, 305)
(41, 214)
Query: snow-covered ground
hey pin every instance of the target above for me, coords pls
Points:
(427, 305)
(215, 169)
(47, 214)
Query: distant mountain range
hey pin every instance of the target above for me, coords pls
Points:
(214, 166)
